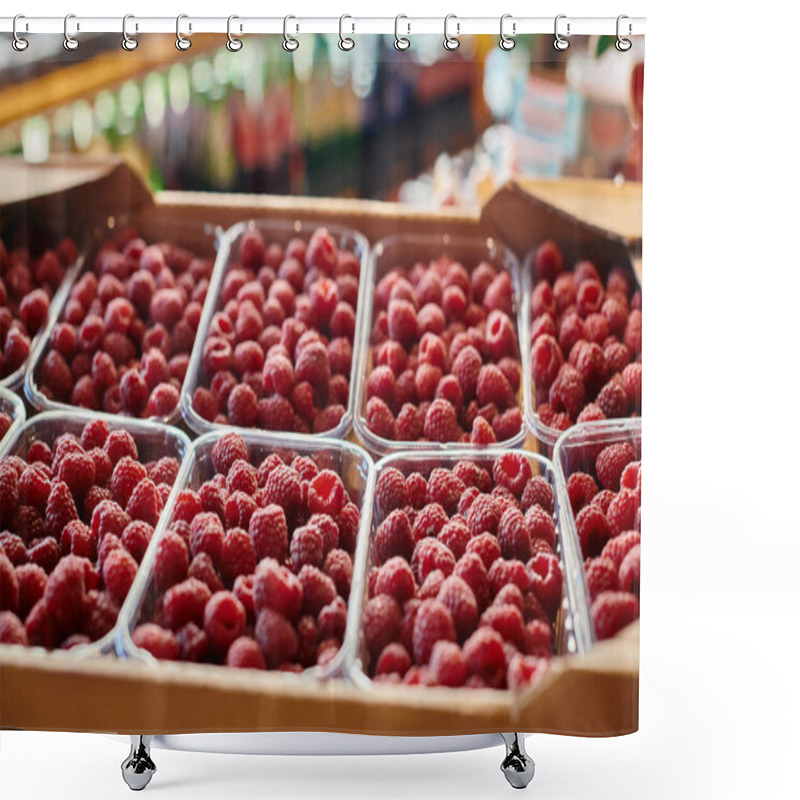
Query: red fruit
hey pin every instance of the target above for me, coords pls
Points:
(500, 294)
(621, 514)
(548, 262)
(473, 571)
(612, 611)
(332, 620)
(433, 624)
(326, 494)
(379, 418)
(611, 462)
(632, 337)
(616, 549)
(9, 585)
(119, 571)
(275, 587)
(486, 547)
(157, 641)
(269, 532)
(394, 658)
(568, 392)
(581, 488)
(447, 664)
(493, 387)
(12, 631)
(632, 382)
(513, 536)
(65, 593)
(429, 555)
(507, 621)
(459, 599)
(306, 547)
(206, 535)
(396, 579)
(283, 489)
(185, 602)
(59, 511)
(339, 568)
(276, 638)
(382, 622)
(245, 653)
(445, 488)
(238, 555)
(593, 531)
(429, 521)
(629, 571)
(547, 581)
(441, 423)
(391, 491)
(224, 620)
(485, 657)
(171, 561)
(318, 589)
(229, 448)
(394, 537)
(145, 502)
(601, 576)
(466, 368)
(31, 580)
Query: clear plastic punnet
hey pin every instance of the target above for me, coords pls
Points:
(280, 232)
(349, 461)
(405, 251)
(153, 440)
(576, 451)
(571, 618)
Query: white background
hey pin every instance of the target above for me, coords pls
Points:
(719, 694)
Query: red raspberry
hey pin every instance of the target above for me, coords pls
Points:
(276, 638)
(548, 262)
(568, 392)
(245, 653)
(185, 602)
(483, 515)
(433, 583)
(429, 521)
(394, 658)
(34, 488)
(612, 399)
(486, 547)
(503, 572)
(396, 579)
(473, 571)
(632, 382)
(485, 657)
(621, 514)
(629, 571)
(163, 401)
(39, 452)
(120, 444)
(76, 538)
(31, 581)
(612, 611)
(382, 622)
(119, 570)
(611, 462)
(632, 337)
(12, 631)
(165, 470)
(33, 310)
(525, 670)
(543, 325)
(60, 509)
(157, 641)
(430, 319)
(269, 532)
(379, 418)
(501, 337)
(581, 488)
(603, 500)
(601, 576)
(327, 528)
(512, 470)
(332, 621)
(426, 379)
(455, 536)
(277, 588)
(514, 536)
(616, 549)
(593, 531)
(318, 589)
(547, 359)
(242, 406)
(238, 555)
(40, 627)
(125, 478)
(445, 488)
(313, 366)
(228, 448)
(326, 494)
(482, 432)
(500, 294)
(283, 489)
(541, 527)
(466, 368)
(95, 434)
(381, 383)
(394, 537)
(307, 547)
(339, 568)
(9, 585)
(493, 387)
(507, 621)
(206, 535)
(429, 555)
(145, 502)
(328, 418)
(349, 521)
(239, 508)
(65, 593)
(547, 581)
(224, 620)
(433, 623)
(459, 599)
(171, 561)
(538, 492)
(510, 595)
(447, 664)
(591, 413)
(441, 423)
(391, 491)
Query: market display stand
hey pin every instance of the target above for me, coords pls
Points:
(595, 694)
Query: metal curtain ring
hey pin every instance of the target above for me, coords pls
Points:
(506, 42)
(290, 44)
(400, 42)
(451, 42)
(623, 45)
(345, 42)
(560, 43)
(233, 44)
(181, 42)
(128, 42)
(70, 42)
(18, 43)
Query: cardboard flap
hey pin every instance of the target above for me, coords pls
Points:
(68, 194)
(594, 218)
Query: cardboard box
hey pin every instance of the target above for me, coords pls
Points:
(592, 695)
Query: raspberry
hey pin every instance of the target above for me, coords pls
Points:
(44, 552)
(326, 494)
(603, 500)
(547, 359)
(446, 489)
(76, 538)
(611, 462)
(318, 589)
(513, 535)
(33, 310)
(500, 294)
(486, 547)
(65, 593)
(245, 653)
(483, 515)
(313, 366)
(349, 521)
(548, 262)
(144, 503)
(157, 641)
(31, 580)
(616, 549)
(581, 488)
(391, 491)
(429, 555)
(328, 418)
(206, 535)
(163, 401)
(242, 406)
(508, 424)
(629, 571)
(507, 621)
(34, 488)
(612, 399)
(568, 392)
(39, 452)
(332, 620)
(547, 581)
(621, 514)
(396, 579)
(482, 432)
(171, 561)
(239, 508)
(9, 586)
(277, 588)
(591, 413)
(12, 631)
(447, 664)
(612, 611)
(433, 623)
(441, 423)
(512, 470)
(382, 622)
(238, 555)
(631, 478)
(381, 383)
(593, 530)
(509, 595)
(229, 448)
(433, 583)
(283, 489)
(339, 568)
(632, 382)
(394, 537)
(601, 576)
(306, 547)
(524, 670)
(485, 657)
(538, 492)
(493, 387)
(379, 418)
(466, 368)
(269, 532)
(632, 337)
(503, 572)
(501, 338)
(56, 374)
(429, 521)
(119, 444)
(327, 529)
(165, 470)
(224, 620)
(276, 638)
(455, 536)
(394, 658)
(60, 509)
(125, 478)
(185, 602)
(459, 599)
(541, 527)
(473, 571)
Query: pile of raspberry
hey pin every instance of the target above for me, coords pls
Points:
(586, 342)
(76, 521)
(255, 569)
(279, 352)
(27, 286)
(609, 523)
(467, 585)
(123, 341)
(445, 355)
